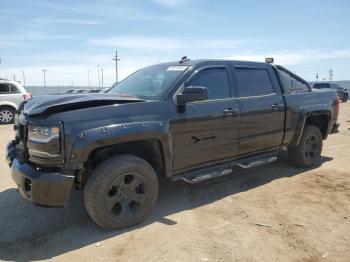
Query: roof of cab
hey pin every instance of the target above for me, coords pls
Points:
(199, 61)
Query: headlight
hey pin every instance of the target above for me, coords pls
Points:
(42, 134)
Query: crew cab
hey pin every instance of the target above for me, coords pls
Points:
(188, 120)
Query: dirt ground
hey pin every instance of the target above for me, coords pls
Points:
(272, 213)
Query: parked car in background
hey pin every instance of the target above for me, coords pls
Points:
(95, 90)
(12, 94)
(77, 91)
(342, 93)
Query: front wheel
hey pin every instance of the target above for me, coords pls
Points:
(121, 192)
(308, 152)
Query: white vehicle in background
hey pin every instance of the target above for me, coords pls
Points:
(12, 94)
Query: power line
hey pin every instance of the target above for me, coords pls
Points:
(98, 75)
(330, 74)
(102, 75)
(24, 79)
(44, 71)
(116, 59)
(89, 78)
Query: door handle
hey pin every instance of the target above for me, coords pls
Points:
(231, 111)
(276, 107)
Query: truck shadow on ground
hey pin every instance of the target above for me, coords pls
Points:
(28, 232)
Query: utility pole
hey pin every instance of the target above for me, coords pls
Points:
(102, 75)
(316, 76)
(89, 79)
(14, 77)
(44, 71)
(330, 74)
(24, 79)
(98, 75)
(116, 59)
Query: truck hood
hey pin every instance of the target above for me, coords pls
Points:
(48, 104)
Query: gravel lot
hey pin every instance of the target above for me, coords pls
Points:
(273, 213)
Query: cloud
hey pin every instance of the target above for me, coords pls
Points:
(126, 11)
(137, 42)
(28, 37)
(50, 20)
(295, 57)
(170, 3)
(161, 43)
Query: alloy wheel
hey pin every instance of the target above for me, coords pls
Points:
(6, 116)
(311, 146)
(126, 195)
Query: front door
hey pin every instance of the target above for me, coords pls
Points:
(206, 131)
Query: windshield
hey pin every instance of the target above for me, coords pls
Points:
(150, 82)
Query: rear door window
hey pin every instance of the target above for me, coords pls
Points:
(253, 82)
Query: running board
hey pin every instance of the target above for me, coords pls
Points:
(202, 174)
(193, 178)
(257, 163)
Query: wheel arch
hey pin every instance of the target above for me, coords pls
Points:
(14, 106)
(149, 141)
(150, 150)
(320, 119)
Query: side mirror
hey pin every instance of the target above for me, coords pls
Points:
(191, 94)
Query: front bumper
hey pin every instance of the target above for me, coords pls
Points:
(42, 188)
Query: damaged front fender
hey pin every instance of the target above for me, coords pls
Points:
(89, 140)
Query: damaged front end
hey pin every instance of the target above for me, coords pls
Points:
(39, 154)
(37, 172)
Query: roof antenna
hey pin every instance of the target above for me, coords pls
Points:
(184, 59)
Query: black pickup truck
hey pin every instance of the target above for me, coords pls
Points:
(188, 120)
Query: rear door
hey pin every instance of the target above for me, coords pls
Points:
(262, 109)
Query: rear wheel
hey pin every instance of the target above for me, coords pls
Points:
(121, 192)
(308, 152)
(7, 115)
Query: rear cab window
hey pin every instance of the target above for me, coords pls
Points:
(291, 83)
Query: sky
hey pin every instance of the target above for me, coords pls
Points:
(70, 39)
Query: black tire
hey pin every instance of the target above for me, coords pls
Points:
(345, 98)
(308, 152)
(121, 192)
(7, 115)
